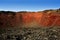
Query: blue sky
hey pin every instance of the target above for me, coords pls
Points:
(28, 5)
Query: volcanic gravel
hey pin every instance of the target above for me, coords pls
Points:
(42, 33)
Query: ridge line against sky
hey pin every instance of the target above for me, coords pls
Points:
(28, 5)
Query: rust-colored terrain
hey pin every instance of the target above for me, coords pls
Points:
(42, 25)
(30, 19)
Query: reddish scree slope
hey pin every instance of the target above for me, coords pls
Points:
(30, 19)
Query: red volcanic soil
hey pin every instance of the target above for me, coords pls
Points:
(29, 19)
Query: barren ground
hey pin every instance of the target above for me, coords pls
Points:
(42, 33)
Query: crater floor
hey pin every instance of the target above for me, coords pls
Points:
(42, 33)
